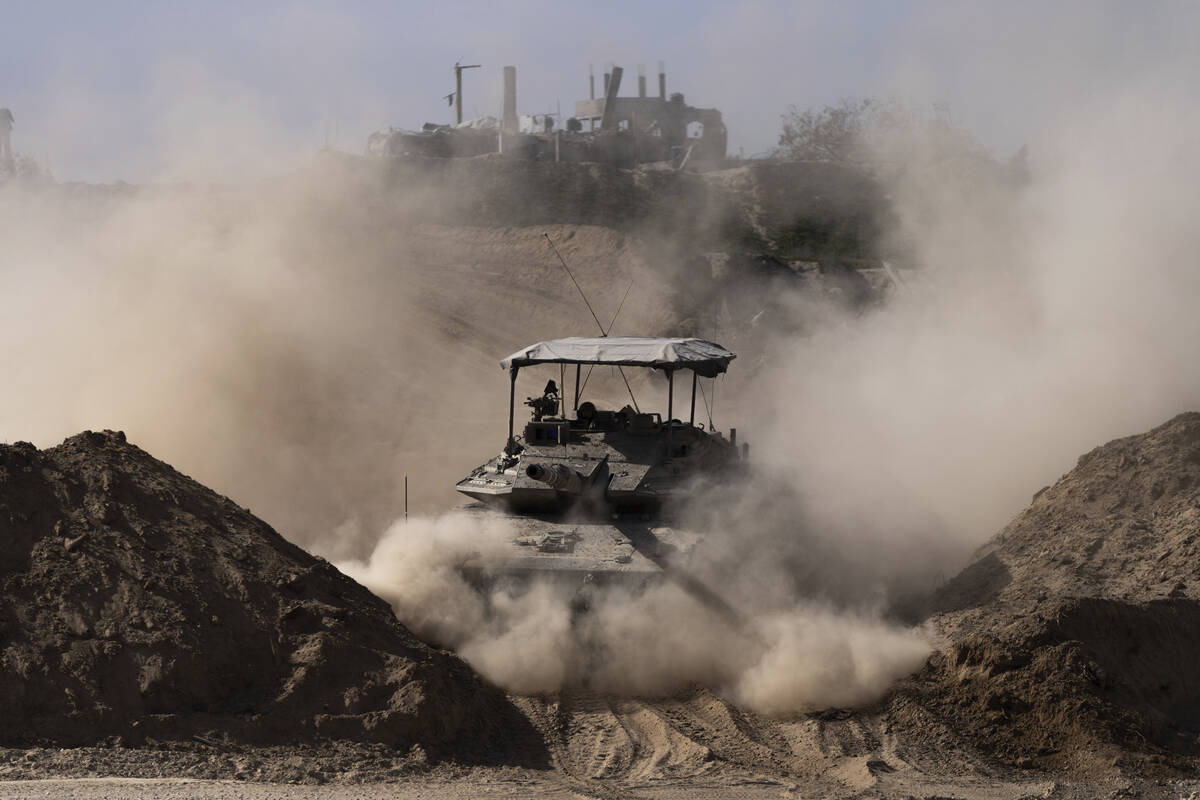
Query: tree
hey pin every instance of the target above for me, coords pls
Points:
(885, 135)
(835, 133)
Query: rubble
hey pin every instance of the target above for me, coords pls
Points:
(621, 131)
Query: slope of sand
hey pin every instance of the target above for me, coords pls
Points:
(1077, 628)
(140, 607)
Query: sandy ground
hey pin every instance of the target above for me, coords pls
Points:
(175, 789)
(43, 773)
(528, 785)
(546, 785)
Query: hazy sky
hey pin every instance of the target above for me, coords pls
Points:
(144, 90)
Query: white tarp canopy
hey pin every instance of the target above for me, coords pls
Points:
(700, 356)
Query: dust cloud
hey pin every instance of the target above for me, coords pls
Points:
(533, 637)
(303, 342)
(299, 343)
(1052, 308)
(258, 335)
(1053, 311)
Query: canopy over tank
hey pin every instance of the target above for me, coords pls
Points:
(699, 355)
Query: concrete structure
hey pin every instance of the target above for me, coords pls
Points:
(6, 153)
(508, 119)
(669, 119)
(620, 131)
(612, 85)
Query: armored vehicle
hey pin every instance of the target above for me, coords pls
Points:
(592, 490)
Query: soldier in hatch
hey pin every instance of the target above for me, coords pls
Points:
(547, 404)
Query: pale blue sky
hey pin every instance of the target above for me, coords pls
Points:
(213, 90)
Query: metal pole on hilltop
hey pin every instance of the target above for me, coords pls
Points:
(458, 68)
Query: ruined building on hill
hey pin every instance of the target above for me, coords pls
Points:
(610, 129)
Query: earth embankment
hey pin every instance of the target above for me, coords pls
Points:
(1076, 629)
(140, 607)
(790, 210)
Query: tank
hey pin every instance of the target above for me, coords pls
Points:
(594, 491)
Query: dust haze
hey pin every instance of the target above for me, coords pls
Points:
(302, 342)
(787, 655)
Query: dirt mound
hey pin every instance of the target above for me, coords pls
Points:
(138, 604)
(1077, 627)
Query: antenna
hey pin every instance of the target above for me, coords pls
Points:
(577, 286)
(610, 327)
(620, 305)
(599, 324)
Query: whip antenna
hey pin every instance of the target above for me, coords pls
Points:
(599, 324)
(563, 261)
(617, 313)
(611, 324)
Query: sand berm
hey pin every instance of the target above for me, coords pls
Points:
(140, 607)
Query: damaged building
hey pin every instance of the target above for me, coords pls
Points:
(610, 129)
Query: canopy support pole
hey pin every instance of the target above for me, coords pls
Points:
(670, 406)
(670, 393)
(692, 420)
(577, 367)
(512, 409)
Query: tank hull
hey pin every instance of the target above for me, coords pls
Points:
(623, 551)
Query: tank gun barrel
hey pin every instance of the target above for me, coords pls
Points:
(557, 476)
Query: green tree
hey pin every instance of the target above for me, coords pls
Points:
(834, 133)
(885, 135)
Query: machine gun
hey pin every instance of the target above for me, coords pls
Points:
(547, 404)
